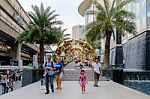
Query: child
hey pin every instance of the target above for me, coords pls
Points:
(82, 80)
(9, 84)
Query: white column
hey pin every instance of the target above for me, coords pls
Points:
(35, 60)
(19, 56)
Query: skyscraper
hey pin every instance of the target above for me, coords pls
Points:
(78, 32)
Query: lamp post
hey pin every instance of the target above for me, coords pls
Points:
(98, 53)
(62, 55)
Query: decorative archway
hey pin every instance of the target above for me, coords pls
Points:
(76, 48)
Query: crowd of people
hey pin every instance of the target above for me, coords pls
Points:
(54, 70)
(7, 80)
(7, 83)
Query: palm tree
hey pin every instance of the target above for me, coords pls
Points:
(92, 37)
(110, 17)
(42, 29)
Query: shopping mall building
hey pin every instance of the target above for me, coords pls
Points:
(134, 51)
(13, 21)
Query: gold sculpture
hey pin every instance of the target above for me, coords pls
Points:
(76, 49)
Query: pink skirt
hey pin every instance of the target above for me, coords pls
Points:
(82, 84)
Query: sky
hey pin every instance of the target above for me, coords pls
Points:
(67, 10)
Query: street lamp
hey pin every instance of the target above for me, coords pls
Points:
(62, 54)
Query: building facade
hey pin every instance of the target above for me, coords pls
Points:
(134, 51)
(78, 32)
(13, 21)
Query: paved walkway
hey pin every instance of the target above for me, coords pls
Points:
(71, 90)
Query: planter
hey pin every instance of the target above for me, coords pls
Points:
(30, 76)
(114, 74)
(117, 75)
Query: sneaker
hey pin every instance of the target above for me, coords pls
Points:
(52, 91)
(47, 92)
(94, 85)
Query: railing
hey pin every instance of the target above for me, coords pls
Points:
(14, 67)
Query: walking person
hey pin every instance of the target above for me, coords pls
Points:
(9, 84)
(59, 73)
(49, 74)
(4, 87)
(96, 67)
(82, 81)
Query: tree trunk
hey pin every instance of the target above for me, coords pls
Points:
(107, 51)
(41, 53)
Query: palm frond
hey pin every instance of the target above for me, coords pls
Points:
(100, 8)
(52, 18)
(42, 10)
(122, 4)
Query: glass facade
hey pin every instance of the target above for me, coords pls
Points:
(89, 15)
(148, 13)
(138, 7)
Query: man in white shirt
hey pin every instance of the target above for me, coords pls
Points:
(96, 67)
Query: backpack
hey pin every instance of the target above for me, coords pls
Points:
(51, 64)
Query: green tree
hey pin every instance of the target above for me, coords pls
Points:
(111, 16)
(42, 29)
(93, 37)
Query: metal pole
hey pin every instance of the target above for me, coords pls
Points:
(93, 12)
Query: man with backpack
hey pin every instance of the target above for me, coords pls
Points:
(49, 74)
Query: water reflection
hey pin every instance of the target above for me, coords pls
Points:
(139, 85)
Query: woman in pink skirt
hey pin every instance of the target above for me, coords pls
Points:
(82, 81)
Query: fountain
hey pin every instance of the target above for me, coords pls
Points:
(138, 80)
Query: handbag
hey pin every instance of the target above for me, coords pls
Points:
(56, 72)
